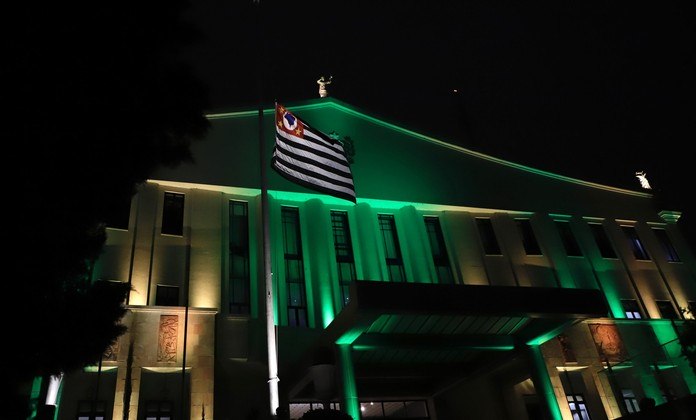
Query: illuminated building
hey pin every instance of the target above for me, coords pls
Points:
(459, 286)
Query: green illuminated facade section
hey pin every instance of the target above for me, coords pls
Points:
(351, 403)
(542, 383)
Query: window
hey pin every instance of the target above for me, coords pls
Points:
(239, 258)
(394, 410)
(294, 268)
(600, 237)
(666, 309)
(91, 410)
(158, 410)
(634, 242)
(344, 253)
(570, 244)
(173, 214)
(631, 308)
(395, 264)
(629, 398)
(439, 251)
(529, 242)
(666, 244)
(119, 215)
(297, 409)
(578, 409)
(487, 235)
(167, 295)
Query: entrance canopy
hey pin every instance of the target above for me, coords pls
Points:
(417, 338)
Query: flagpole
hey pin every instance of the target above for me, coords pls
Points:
(268, 274)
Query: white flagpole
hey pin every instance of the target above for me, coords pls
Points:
(268, 274)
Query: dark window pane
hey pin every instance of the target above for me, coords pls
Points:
(395, 264)
(239, 298)
(439, 250)
(167, 295)
(570, 244)
(294, 267)
(487, 235)
(666, 309)
(666, 244)
(529, 242)
(634, 242)
(173, 214)
(416, 409)
(343, 246)
(600, 237)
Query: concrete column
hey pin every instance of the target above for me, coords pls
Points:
(371, 253)
(349, 402)
(321, 261)
(414, 246)
(206, 249)
(142, 250)
(542, 383)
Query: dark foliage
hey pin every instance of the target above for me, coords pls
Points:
(324, 414)
(95, 100)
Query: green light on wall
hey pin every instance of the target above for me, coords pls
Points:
(349, 337)
(327, 310)
(542, 383)
(350, 391)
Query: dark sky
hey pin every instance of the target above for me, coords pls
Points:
(592, 90)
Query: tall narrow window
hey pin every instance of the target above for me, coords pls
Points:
(666, 244)
(395, 263)
(487, 235)
(666, 309)
(531, 246)
(631, 309)
(437, 246)
(239, 258)
(578, 409)
(294, 268)
(173, 214)
(600, 237)
(570, 244)
(343, 246)
(636, 245)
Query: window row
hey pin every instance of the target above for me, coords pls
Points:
(173, 224)
(239, 269)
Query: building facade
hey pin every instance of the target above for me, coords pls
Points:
(459, 286)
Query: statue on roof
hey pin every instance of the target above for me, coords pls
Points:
(322, 82)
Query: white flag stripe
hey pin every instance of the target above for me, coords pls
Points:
(288, 147)
(312, 134)
(315, 181)
(309, 167)
(299, 140)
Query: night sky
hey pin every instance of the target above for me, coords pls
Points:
(590, 90)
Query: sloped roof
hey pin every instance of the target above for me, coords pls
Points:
(397, 164)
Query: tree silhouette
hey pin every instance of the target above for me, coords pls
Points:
(96, 99)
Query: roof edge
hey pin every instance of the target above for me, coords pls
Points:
(330, 102)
